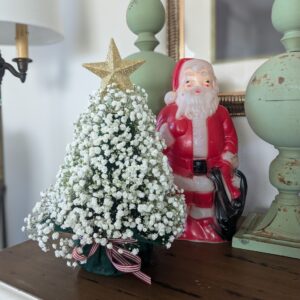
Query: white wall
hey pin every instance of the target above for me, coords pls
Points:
(39, 115)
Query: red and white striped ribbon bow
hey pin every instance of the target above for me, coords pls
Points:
(124, 261)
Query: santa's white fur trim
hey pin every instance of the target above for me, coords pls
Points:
(200, 137)
(200, 213)
(166, 134)
(231, 158)
(236, 181)
(200, 184)
(170, 97)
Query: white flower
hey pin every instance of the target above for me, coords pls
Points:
(170, 214)
(55, 235)
(135, 251)
(103, 242)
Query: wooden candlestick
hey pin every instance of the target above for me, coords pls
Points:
(22, 41)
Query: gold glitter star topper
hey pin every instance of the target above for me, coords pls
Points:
(115, 69)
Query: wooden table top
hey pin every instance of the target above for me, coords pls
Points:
(186, 271)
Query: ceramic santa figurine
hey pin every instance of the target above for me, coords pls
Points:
(202, 150)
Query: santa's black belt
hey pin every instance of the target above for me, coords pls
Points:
(200, 167)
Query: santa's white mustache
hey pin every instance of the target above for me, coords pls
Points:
(197, 100)
(200, 90)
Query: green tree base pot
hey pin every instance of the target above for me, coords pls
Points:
(100, 264)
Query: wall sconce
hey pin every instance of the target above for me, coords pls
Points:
(22, 59)
(23, 23)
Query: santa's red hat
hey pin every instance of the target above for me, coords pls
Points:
(176, 72)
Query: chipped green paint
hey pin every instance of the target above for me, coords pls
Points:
(277, 123)
(272, 107)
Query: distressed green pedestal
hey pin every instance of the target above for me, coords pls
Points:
(277, 232)
(273, 110)
(256, 233)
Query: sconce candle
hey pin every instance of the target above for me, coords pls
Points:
(22, 40)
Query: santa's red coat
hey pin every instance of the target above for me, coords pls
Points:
(221, 138)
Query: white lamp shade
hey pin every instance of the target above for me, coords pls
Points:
(41, 16)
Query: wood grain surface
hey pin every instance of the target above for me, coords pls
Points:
(186, 271)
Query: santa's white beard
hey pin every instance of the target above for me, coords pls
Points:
(192, 105)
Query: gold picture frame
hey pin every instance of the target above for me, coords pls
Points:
(175, 28)
(233, 101)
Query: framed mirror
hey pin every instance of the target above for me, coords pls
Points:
(243, 30)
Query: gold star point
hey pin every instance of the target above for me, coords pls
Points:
(115, 69)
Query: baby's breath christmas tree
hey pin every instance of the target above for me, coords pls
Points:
(115, 188)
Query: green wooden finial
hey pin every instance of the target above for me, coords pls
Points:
(272, 108)
(146, 18)
(146, 25)
(286, 19)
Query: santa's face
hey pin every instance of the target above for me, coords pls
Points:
(196, 80)
(197, 94)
